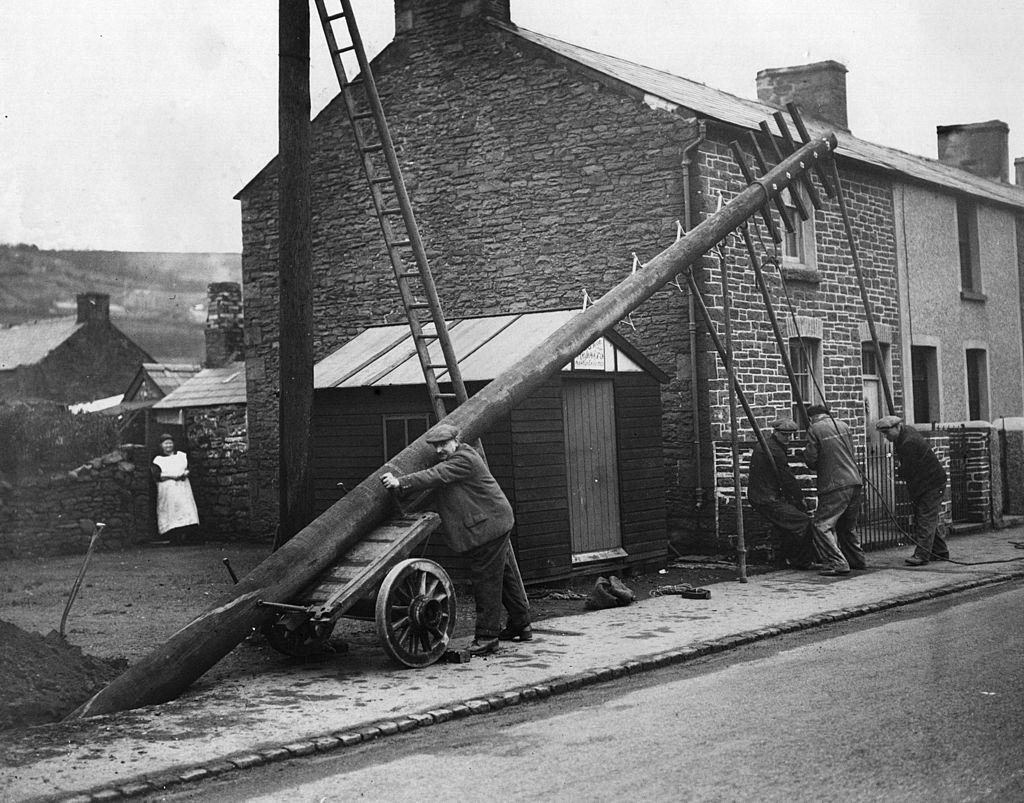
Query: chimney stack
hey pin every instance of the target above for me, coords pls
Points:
(1018, 170)
(412, 15)
(93, 308)
(979, 148)
(224, 337)
(819, 90)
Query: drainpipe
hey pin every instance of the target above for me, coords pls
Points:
(688, 216)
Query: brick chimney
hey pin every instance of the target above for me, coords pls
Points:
(1018, 170)
(819, 90)
(224, 342)
(979, 148)
(412, 15)
(93, 308)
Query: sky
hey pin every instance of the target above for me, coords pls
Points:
(131, 124)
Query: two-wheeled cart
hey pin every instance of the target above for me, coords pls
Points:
(411, 600)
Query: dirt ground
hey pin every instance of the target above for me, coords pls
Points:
(131, 601)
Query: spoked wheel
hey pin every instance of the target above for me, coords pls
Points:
(415, 612)
(298, 636)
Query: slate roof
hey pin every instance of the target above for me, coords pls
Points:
(211, 387)
(728, 108)
(29, 343)
(170, 376)
(485, 347)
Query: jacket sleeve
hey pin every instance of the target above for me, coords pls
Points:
(811, 451)
(455, 469)
(791, 489)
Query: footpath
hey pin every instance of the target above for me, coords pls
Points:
(227, 726)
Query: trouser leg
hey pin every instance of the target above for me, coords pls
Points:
(831, 507)
(846, 531)
(513, 592)
(793, 526)
(929, 544)
(487, 566)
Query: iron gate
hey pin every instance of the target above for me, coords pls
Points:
(885, 509)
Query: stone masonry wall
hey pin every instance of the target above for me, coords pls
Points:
(529, 182)
(56, 514)
(219, 470)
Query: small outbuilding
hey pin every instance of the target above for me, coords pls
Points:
(580, 460)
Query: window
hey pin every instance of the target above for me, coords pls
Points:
(401, 430)
(924, 377)
(967, 237)
(977, 385)
(805, 355)
(798, 246)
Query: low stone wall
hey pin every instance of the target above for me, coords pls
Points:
(55, 514)
(218, 458)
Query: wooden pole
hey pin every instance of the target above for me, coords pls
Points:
(170, 668)
(295, 352)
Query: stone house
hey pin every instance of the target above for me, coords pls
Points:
(537, 169)
(68, 359)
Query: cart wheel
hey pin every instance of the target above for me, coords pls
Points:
(415, 612)
(299, 639)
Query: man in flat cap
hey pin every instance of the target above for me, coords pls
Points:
(774, 492)
(830, 452)
(925, 477)
(478, 521)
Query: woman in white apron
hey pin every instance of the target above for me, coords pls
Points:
(175, 505)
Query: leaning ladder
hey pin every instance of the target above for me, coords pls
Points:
(394, 211)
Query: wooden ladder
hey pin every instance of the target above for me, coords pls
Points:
(394, 210)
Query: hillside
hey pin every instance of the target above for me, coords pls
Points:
(157, 299)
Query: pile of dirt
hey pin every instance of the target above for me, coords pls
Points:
(45, 678)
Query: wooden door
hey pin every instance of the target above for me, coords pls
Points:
(592, 468)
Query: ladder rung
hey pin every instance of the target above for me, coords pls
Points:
(410, 274)
(363, 116)
(446, 396)
(419, 305)
(380, 180)
(392, 211)
(348, 49)
(399, 244)
(372, 148)
(426, 336)
(338, 16)
(443, 365)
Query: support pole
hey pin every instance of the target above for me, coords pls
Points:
(295, 267)
(762, 285)
(170, 668)
(868, 314)
(730, 371)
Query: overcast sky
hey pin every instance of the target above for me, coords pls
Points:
(130, 124)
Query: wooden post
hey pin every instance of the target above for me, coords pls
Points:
(170, 668)
(295, 339)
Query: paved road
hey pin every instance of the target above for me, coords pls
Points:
(919, 704)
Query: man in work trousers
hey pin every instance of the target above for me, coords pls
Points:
(773, 491)
(830, 452)
(477, 521)
(925, 477)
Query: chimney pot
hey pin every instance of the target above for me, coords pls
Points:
(979, 148)
(93, 307)
(819, 90)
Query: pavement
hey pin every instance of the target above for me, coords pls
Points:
(227, 725)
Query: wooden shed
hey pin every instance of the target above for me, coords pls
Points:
(581, 459)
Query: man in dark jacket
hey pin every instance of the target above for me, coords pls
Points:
(773, 491)
(477, 519)
(830, 452)
(925, 477)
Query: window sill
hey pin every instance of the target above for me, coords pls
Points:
(972, 295)
(795, 272)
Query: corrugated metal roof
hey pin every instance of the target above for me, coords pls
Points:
(209, 388)
(485, 347)
(728, 108)
(28, 343)
(169, 376)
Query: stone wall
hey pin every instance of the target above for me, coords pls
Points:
(219, 470)
(55, 514)
(970, 475)
(533, 180)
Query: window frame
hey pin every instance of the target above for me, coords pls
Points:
(405, 419)
(968, 250)
(977, 377)
(803, 237)
(807, 372)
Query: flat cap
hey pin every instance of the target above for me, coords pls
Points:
(888, 422)
(817, 409)
(784, 425)
(441, 433)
